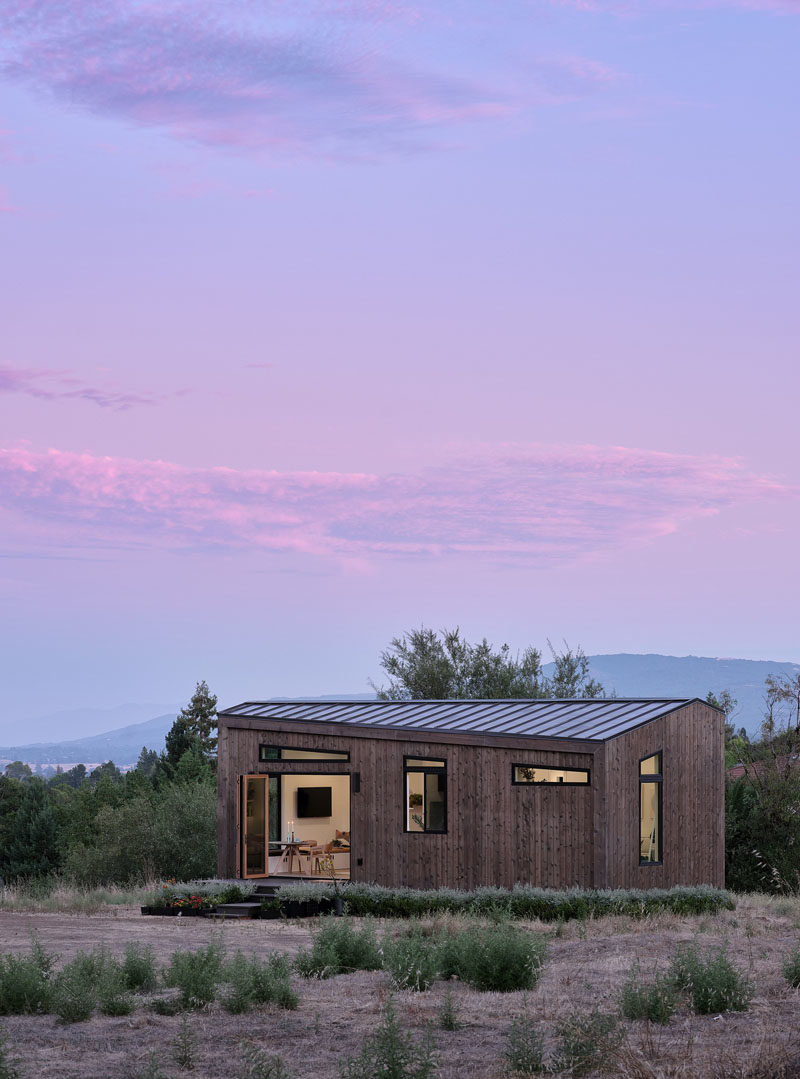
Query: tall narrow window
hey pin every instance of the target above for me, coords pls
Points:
(650, 810)
(425, 795)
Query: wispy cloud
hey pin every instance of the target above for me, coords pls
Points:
(52, 385)
(529, 502)
(301, 75)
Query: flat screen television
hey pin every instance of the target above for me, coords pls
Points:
(313, 801)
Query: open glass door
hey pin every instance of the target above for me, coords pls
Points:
(255, 826)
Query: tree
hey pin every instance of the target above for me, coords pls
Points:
(18, 770)
(147, 762)
(426, 665)
(737, 743)
(33, 849)
(199, 718)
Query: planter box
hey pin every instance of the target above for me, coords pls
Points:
(174, 912)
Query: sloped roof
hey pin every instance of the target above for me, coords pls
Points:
(591, 720)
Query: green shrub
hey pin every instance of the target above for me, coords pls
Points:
(412, 960)
(654, 1001)
(113, 996)
(791, 967)
(586, 1042)
(139, 968)
(339, 948)
(255, 982)
(713, 983)
(183, 1048)
(449, 1018)
(524, 1052)
(8, 1068)
(25, 981)
(151, 1070)
(522, 901)
(390, 1053)
(74, 995)
(196, 974)
(499, 958)
(258, 1065)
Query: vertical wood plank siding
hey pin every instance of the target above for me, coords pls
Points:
(552, 835)
(693, 797)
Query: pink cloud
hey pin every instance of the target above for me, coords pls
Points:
(50, 385)
(210, 73)
(640, 7)
(529, 502)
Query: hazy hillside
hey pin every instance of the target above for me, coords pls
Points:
(121, 746)
(628, 674)
(80, 722)
(633, 675)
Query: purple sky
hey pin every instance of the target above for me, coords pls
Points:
(322, 320)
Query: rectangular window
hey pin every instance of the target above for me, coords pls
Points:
(425, 789)
(534, 773)
(650, 810)
(289, 753)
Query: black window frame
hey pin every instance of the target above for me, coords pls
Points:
(658, 779)
(440, 770)
(342, 755)
(546, 783)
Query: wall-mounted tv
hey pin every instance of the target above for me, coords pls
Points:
(313, 801)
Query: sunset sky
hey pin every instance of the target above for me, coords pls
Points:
(320, 321)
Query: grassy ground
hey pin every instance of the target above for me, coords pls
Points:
(587, 966)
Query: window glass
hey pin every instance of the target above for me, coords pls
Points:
(528, 773)
(650, 810)
(649, 816)
(289, 753)
(425, 795)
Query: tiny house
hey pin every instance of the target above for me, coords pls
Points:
(604, 793)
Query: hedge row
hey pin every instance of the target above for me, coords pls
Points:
(521, 901)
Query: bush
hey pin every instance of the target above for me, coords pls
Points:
(258, 1065)
(113, 996)
(196, 974)
(524, 1052)
(8, 1069)
(449, 1018)
(139, 968)
(339, 948)
(74, 996)
(390, 1053)
(183, 1048)
(585, 1042)
(412, 960)
(255, 982)
(25, 982)
(522, 901)
(791, 968)
(499, 958)
(713, 983)
(654, 1001)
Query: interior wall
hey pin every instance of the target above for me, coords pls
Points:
(319, 829)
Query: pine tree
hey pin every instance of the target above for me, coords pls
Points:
(200, 718)
(33, 847)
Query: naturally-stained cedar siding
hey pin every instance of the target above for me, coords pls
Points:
(550, 835)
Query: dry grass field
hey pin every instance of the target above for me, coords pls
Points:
(587, 966)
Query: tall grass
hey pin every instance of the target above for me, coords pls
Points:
(51, 895)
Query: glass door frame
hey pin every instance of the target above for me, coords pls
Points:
(243, 780)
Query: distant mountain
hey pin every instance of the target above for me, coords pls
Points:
(627, 674)
(121, 746)
(633, 675)
(81, 722)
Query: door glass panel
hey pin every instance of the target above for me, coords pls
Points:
(274, 809)
(255, 844)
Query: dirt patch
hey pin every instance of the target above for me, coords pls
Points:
(587, 965)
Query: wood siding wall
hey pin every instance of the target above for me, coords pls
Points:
(550, 835)
(498, 833)
(693, 797)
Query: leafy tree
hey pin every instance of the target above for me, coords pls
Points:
(147, 762)
(18, 770)
(33, 848)
(200, 718)
(11, 794)
(737, 743)
(109, 770)
(426, 665)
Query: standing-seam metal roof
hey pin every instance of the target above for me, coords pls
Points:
(592, 720)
